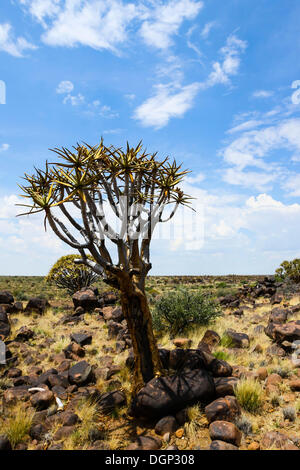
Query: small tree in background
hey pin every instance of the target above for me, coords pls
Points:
(88, 187)
(289, 270)
(66, 274)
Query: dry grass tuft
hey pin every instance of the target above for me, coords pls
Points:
(249, 394)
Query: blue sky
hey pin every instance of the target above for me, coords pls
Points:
(213, 84)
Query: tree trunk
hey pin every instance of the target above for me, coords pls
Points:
(135, 307)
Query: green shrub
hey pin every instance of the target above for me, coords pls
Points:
(289, 270)
(249, 394)
(221, 285)
(181, 309)
(224, 356)
(66, 274)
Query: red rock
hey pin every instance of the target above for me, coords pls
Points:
(226, 409)
(225, 431)
(145, 443)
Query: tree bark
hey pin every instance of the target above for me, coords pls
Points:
(135, 307)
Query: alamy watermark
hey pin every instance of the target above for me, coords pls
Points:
(2, 353)
(296, 95)
(2, 92)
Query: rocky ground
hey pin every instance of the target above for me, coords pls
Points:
(67, 377)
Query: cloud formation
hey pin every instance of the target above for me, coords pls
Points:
(15, 46)
(166, 103)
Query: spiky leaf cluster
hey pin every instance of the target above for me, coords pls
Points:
(67, 275)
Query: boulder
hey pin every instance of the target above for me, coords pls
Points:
(111, 400)
(80, 373)
(182, 342)
(113, 313)
(274, 440)
(4, 330)
(81, 338)
(295, 385)
(16, 394)
(42, 400)
(261, 373)
(14, 372)
(272, 383)
(44, 377)
(63, 432)
(5, 443)
(168, 394)
(225, 431)
(4, 324)
(114, 329)
(211, 339)
(168, 424)
(17, 307)
(69, 419)
(24, 334)
(229, 300)
(86, 298)
(58, 380)
(37, 431)
(108, 298)
(225, 385)
(224, 409)
(221, 445)
(6, 297)
(278, 315)
(74, 351)
(288, 332)
(37, 305)
(145, 443)
(239, 340)
(276, 299)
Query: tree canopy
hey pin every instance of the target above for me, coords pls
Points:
(136, 186)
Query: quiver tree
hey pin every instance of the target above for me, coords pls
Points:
(87, 194)
(66, 274)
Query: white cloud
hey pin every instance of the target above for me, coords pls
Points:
(28, 248)
(65, 86)
(74, 100)
(4, 147)
(107, 112)
(262, 94)
(292, 185)
(167, 102)
(41, 9)
(113, 131)
(100, 24)
(166, 21)
(251, 236)
(130, 96)
(174, 99)
(245, 126)
(198, 178)
(251, 147)
(207, 29)
(222, 71)
(106, 24)
(249, 179)
(14, 46)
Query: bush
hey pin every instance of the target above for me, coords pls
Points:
(289, 413)
(181, 309)
(224, 356)
(249, 394)
(244, 425)
(66, 274)
(289, 270)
